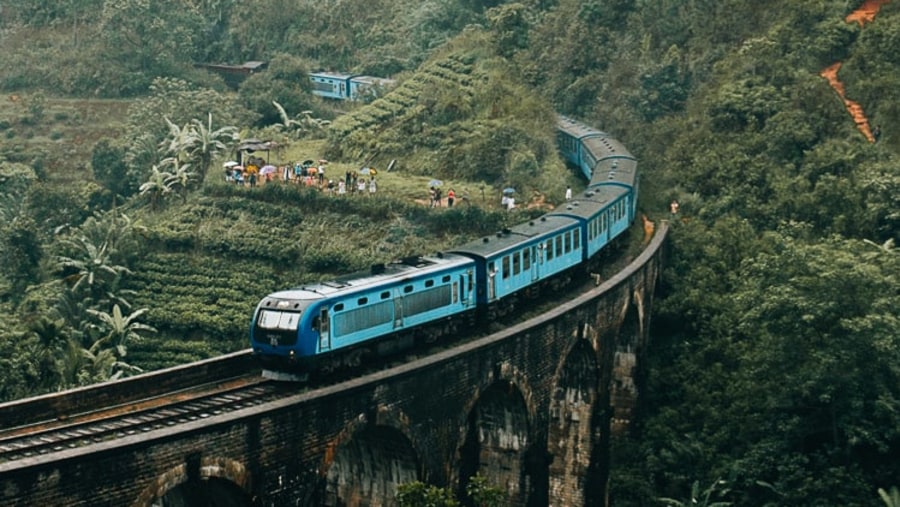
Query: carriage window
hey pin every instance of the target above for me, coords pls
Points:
(338, 307)
(445, 279)
(429, 283)
(506, 267)
(567, 242)
(517, 263)
(407, 289)
(526, 258)
(549, 249)
(362, 301)
(558, 246)
(576, 240)
(385, 295)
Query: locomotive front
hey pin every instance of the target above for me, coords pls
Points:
(284, 330)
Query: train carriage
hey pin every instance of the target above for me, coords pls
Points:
(332, 85)
(523, 256)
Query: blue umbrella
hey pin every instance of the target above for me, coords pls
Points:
(365, 170)
(435, 183)
(509, 190)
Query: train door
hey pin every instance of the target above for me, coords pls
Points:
(398, 312)
(324, 330)
(492, 281)
(534, 254)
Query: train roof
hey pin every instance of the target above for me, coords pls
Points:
(576, 129)
(380, 273)
(585, 205)
(615, 170)
(513, 237)
(332, 75)
(602, 147)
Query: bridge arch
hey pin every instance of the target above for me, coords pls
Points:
(573, 425)
(200, 480)
(496, 440)
(629, 343)
(367, 464)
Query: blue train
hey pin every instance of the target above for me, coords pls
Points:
(340, 86)
(339, 323)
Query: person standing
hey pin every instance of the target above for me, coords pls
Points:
(451, 196)
(568, 193)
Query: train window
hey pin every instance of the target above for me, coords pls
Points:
(517, 263)
(506, 267)
(602, 223)
(455, 295)
(429, 283)
(559, 249)
(407, 289)
(526, 258)
(338, 307)
(362, 301)
(385, 295)
(445, 279)
(567, 242)
(492, 269)
(549, 249)
(576, 240)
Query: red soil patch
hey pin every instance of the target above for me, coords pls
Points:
(855, 110)
(866, 12)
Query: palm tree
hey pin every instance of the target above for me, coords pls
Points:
(93, 265)
(155, 188)
(205, 144)
(180, 177)
(890, 499)
(698, 498)
(118, 329)
(49, 354)
(303, 124)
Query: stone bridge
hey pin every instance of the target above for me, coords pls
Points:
(533, 409)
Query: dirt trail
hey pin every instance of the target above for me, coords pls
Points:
(865, 14)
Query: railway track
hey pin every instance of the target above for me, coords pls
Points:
(165, 411)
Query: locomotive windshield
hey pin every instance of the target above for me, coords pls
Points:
(272, 319)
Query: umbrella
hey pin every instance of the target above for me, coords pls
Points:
(230, 164)
(435, 183)
(307, 163)
(509, 190)
(323, 161)
(365, 170)
(267, 169)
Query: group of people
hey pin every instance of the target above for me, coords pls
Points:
(306, 174)
(437, 198)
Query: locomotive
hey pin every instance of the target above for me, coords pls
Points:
(340, 323)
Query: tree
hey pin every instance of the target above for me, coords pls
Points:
(110, 168)
(205, 144)
(700, 498)
(155, 188)
(91, 266)
(118, 330)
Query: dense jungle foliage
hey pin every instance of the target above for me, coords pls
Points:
(773, 377)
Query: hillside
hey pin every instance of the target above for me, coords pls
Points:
(774, 375)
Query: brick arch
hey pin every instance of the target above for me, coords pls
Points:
(572, 426)
(367, 464)
(223, 481)
(496, 441)
(628, 344)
